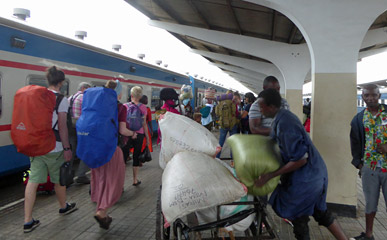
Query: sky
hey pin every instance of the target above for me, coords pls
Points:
(116, 22)
(110, 22)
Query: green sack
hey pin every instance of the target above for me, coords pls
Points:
(253, 156)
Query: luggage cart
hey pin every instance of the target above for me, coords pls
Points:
(182, 230)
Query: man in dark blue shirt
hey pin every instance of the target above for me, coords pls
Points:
(304, 180)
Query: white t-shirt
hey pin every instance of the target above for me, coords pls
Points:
(63, 107)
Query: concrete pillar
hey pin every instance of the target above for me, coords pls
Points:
(334, 35)
(333, 106)
(294, 98)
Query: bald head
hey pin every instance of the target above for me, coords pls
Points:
(371, 87)
(83, 86)
(371, 95)
(271, 82)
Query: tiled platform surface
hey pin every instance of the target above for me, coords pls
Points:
(134, 215)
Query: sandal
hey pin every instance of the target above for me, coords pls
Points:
(136, 184)
(104, 222)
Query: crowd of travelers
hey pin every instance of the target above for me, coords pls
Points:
(303, 188)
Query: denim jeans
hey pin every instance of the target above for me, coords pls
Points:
(223, 135)
(82, 167)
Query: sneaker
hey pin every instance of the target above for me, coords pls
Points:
(83, 180)
(363, 236)
(29, 227)
(70, 207)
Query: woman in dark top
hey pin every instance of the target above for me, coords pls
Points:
(249, 99)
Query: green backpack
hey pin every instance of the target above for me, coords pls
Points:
(226, 110)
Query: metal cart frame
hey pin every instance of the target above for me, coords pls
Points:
(182, 230)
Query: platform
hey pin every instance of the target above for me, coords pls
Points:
(134, 215)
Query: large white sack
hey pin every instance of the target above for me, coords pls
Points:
(193, 181)
(180, 133)
(210, 214)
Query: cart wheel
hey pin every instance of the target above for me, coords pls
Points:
(179, 231)
(161, 232)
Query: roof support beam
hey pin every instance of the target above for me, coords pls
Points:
(293, 60)
(292, 34)
(254, 85)
(256, 66)
(141, 9)
(374, 37)
(163, 6)
(247, 72)
(234, 16)
(204, 20)
(273, 25)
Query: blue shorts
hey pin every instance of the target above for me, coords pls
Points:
(372, 182)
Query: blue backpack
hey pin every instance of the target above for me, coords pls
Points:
(97, 128)
(134, 116)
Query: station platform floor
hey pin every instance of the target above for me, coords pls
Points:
(134, 215)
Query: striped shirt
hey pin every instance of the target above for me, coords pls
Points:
(255, 113)
(77, 104)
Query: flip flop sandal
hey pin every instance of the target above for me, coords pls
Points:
(104, 222)
(136, 184)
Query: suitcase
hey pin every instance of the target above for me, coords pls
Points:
(47, 188)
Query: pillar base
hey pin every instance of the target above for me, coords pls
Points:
(342, 210)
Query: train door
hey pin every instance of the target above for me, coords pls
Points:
(97, 84)
(199, 100)
(42, 81)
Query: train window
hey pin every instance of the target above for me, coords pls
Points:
(1, 97)
(129, 88)
(97, 84)
(42, 81)
(199, 100)
(155, 97)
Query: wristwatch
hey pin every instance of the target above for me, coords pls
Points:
(66, 149)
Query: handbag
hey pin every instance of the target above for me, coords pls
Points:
(145, 156)
(66, 174)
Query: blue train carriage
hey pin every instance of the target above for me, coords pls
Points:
(25, 54)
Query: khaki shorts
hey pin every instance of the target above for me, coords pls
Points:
(46, 164)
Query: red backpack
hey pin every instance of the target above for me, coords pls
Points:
(31, 129)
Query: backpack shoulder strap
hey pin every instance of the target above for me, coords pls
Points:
(72, 100)
(59, 98)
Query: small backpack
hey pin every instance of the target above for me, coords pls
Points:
(97, 127)
(134, 116)
(226, 110)
(31, 130)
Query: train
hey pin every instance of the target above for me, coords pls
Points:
(26, 52)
